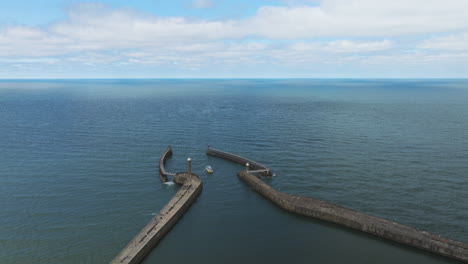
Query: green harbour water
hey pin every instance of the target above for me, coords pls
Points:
(79, 166)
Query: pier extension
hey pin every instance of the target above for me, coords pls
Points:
(353, 219)
(159, 226)
(241, 160)
(162, 162)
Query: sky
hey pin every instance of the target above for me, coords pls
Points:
(47, 39)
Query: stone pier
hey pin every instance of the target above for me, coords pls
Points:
(139, 247)
(239, 159)
(160, 225)
(162, 162)
(359, 221)
(350, 218)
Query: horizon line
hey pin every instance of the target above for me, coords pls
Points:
(241, 78)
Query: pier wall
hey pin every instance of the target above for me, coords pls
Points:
(159, 226)
(162, 162)
(359, 221)
(239, 159)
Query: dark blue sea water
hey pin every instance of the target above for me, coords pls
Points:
(78, 166)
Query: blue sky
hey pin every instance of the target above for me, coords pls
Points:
(234, 39)
(42, 12)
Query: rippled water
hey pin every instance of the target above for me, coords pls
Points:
(78, 166)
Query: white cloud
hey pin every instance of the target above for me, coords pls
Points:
(331, 32)
(458, 42)
(361, 18)
(30, 60)
(202, 4)
(29, 41)
(355, 46)
(306, 46)
(343, 46)
(421, 61)
(98, 24)
(97, 27)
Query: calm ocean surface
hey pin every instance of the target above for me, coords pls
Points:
(78, 166)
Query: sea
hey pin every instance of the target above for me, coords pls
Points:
(79, 166)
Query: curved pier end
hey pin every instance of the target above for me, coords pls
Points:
(350, 218)
(160, 225)
(162, 162)
(241, 160)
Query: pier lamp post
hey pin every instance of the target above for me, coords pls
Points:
(247, 167)
(189, 164)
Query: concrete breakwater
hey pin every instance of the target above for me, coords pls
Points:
(350, 218)
(239, 159)
(162, 162)
(159, 226)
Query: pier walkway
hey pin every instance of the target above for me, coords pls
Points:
(159, 226)
(353, 219)
(350, 218)
(257, 167)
